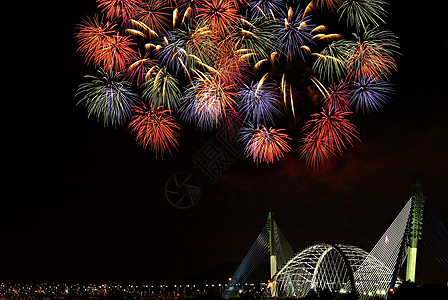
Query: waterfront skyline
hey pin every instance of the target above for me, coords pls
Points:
(84, 204)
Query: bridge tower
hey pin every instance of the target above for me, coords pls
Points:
(272, 242)
(418, 202)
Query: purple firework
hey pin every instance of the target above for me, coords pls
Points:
(294, 36)
(370, 94)
(266, 8)
(338, 98)
(259, 102)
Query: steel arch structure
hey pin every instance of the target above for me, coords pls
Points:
(335, 267)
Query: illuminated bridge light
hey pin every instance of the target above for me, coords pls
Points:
(337, 268)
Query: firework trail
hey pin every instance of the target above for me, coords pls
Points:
(228, 64)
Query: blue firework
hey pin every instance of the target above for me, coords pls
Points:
(266, 8)
(294, 36)
(172, 54)
(108, 98)
(259, 102)
(371, 94)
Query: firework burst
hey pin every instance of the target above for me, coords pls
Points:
(329, 5)
(370, 94)
(266, 8)
(155, 14)
(316, 151)
(93, 35)
(259, 102)
(232, 68)
(328, 133)
(200, 44)
(205, 102)
(219, 15)
(172, 54)
(155, 128)
(115, 54)
(361, 13)
(162, 90)
(122, 10)
(372, 54)
(255, 36)
(228, 64)
(264, 144)
(108, 98)
(294, 36)
(330, 62)
(139, 68)
(338, 97)
(188, 8)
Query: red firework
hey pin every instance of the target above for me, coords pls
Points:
(329, 132)
(265, 145)
(123, 10)
(316, 151)
(232, 69)
(338, 97)
(155, 128)
(93, 35)
(219, 14)
(368, 59)
(330, 5)
(115, 53)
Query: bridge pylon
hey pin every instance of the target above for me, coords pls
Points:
(418, 202)
(270, 222)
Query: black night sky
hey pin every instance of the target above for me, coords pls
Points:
(83, 203)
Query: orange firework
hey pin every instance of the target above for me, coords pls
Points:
(316, 151)
(155, 128)
(233, 69)
(263, 144)
(93, 35)
(219, 14)
(123, 10)
(155, 14)
(330, 130)
(115, 53)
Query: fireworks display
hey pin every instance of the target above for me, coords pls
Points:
(270, 69)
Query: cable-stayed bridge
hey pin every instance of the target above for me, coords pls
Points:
(346, 268)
